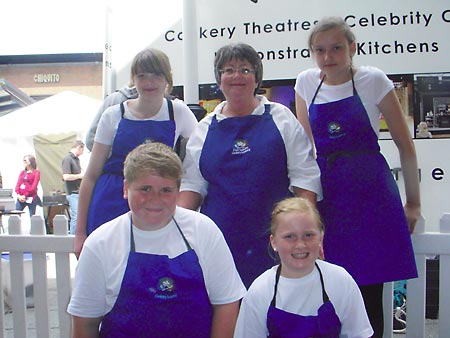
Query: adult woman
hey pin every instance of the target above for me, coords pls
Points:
(27, 185)
(149, 117)
(302, 296)
(368, 230)
(157, 270)
(245, 156)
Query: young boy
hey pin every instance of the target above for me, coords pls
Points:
(158, 270)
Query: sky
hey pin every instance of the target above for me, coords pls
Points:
(52, 27)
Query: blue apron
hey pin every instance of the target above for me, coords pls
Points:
(244, 161)
(283, 324)
(107, 200)
(160, 297)
(366, 228)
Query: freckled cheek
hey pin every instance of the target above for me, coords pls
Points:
(142, 198)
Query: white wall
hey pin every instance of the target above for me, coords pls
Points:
(433, 157)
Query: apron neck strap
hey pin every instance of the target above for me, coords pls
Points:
(133, 247)
(122, 109)
(277, 278)
(318, 87)
(169, 107)
(355, 93)
(325, 297)
(188, 246)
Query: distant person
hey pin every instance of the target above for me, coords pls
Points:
(303, 296)
(27, 185)
(158, 270)
(125, 93)
(150, 117)
(72, 176)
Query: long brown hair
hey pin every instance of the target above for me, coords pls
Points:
(32, 161)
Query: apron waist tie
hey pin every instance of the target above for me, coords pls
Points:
(331, 158)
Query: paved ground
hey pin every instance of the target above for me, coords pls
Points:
(431, 330)
(53, 314)
(52, 303)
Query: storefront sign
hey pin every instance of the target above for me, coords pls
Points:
(46, 78)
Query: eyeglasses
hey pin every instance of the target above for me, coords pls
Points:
(230, 71)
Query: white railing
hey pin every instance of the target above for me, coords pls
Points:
(425, 244)
(39, 244)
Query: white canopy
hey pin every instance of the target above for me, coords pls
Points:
(60, 113)
(58, 119)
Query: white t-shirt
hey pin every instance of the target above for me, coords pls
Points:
(185, 120)
(303, 170)
(102, 262)
(371, 83)
(304, 296)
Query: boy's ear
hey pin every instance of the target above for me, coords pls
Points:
(125, 189)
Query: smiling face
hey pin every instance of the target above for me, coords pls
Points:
(152, 200)
(333, 54)
(150, 85)
(298, 240)
(238, 84)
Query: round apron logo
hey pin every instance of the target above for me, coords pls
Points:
(166, 288)
(335, 130)
(240, 147)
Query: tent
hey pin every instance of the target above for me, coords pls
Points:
(45, 129)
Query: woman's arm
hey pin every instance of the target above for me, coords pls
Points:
(99, 155)
(189, 200)
(302, 116)
(224, 320)
(19, 182)
(309, 195)
(393, 115)
(34, 185)
(85, 327)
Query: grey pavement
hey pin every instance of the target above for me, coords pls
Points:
(431, 329)
(31, 328)
(52, 304)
